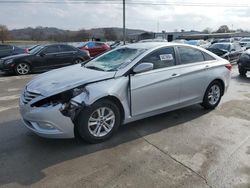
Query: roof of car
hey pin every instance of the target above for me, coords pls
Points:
(149, 45)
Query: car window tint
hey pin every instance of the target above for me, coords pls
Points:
(5, 47)
(208, 57)
(164, 57)
(190, 55)
(66, 48)
(51, 49)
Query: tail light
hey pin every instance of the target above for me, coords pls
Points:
(229, 66)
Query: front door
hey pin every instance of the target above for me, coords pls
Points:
(156, 89)
(50, 57)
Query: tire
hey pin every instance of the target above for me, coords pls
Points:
(242, 72)
(77, 61)
(93, 128)
(22, 68)
(212, 95)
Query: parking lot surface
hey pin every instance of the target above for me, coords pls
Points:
(190, 147)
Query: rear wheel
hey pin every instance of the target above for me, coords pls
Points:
(98, 122)
(77, 61)
(213, 95)
(22, 69)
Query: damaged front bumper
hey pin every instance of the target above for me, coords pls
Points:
(48, 121)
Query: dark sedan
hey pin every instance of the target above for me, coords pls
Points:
(43, 58)
(244, 63)
(8, 50)
(229, 51)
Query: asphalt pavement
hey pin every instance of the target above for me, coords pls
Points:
(190, 147)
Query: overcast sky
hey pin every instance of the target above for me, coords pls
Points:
(147, 17)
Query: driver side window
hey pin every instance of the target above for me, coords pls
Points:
(161, 58)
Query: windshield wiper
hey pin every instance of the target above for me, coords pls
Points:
(94, 68)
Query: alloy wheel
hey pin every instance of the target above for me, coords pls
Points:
(214, 94)
(22, 68)
(101, 122)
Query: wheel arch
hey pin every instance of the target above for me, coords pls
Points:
(117, 102)
(222, 84)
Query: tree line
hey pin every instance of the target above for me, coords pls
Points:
(40, 34)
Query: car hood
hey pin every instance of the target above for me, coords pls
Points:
(15, 56)
(59, 80)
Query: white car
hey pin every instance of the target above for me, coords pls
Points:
(126, 84)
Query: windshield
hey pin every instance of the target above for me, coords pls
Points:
(113, 60)
(221, 46)
(36, 49)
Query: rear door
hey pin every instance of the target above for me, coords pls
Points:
(156, 89)
(194, 68)
(66, 55)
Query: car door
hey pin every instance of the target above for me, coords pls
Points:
(156, 89)
(49, 57)
(66, 55)
(194, 66)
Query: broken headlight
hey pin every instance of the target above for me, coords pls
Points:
(61, 98)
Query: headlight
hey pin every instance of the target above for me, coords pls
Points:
(8, 61)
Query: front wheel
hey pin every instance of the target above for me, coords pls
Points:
(22, 69)
(213, 95)
(98, 122)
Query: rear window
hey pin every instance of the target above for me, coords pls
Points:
(190, 55)
(6, 47)
(208, 57)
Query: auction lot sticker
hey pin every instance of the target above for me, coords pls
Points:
(166, 57)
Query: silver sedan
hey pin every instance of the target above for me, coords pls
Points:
(126, 84)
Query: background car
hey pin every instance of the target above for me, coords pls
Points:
(244, 63)
(95, 48)
(8, 50)
(226, 40)
(244, 41)
(229, 51)
(43, 58)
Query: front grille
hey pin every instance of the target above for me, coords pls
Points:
(29, 96)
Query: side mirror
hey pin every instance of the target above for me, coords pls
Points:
(143, 67)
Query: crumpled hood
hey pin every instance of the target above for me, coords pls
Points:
(16, 56)
(59, 80)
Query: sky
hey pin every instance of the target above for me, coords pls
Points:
(162, 15)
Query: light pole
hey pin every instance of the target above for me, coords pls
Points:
(124, 26)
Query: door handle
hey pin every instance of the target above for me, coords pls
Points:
(175, 75)
(207, 66)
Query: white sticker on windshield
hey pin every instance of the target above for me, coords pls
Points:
(166, 57)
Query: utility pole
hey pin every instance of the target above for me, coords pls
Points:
(124, 26)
